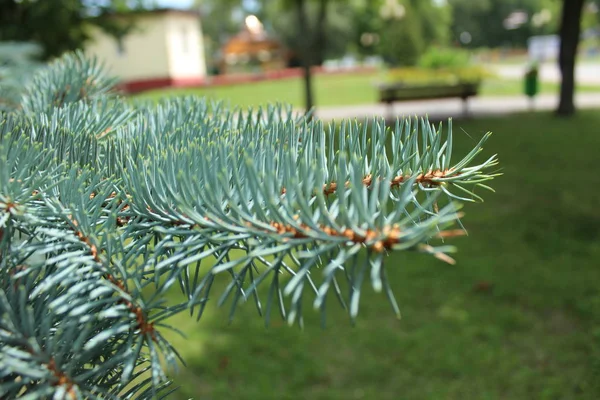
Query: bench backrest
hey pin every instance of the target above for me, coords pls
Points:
(397, 91)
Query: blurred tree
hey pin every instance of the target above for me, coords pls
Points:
(435, 17)
(60, 25)
(403, 40)
(400, 37)
(306, 47)
(368, 25)
(300, 24)
(303, 25)
(570, 32)
(466, 17)
(494, 23)
(590, 19)
(330, 25)
(332, 28)
(220, 18)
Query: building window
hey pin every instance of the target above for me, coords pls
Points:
(185, 40)
(120, 48)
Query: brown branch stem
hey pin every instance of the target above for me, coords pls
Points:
(142, 321)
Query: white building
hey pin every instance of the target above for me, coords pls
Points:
(165, 48)
(542, 48)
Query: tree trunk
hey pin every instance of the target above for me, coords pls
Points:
(320, 38)
(570, 29)
(305, 53)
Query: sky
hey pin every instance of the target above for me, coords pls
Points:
(250, 4)
(175, 3)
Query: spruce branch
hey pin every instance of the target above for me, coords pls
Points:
(108, 206)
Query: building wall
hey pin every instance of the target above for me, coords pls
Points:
(144, 52)
(164, 49)
(185, 46)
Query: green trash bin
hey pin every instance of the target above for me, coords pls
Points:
(531, 85)
(531, 81)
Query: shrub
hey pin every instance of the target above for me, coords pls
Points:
(443, 57)
(106, 205)
(449, 76)
(402, 42)
(440, 66)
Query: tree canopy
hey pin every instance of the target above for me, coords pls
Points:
(59, 26)
(494, 23)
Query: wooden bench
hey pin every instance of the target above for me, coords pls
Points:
(392, 92)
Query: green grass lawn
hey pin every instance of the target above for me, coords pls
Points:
(533, 334)
(330, 90)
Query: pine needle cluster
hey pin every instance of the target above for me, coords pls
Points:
(107, 205)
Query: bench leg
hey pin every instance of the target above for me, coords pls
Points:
(465, 102)
(390, 112)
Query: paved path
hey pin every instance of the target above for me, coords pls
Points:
(585, 73)
(446, 108)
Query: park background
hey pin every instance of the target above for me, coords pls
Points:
(518, 316)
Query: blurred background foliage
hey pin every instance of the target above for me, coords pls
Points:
(517, 318)
(352, 26)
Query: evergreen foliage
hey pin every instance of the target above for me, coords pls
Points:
(17, 64)
(106, 205)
